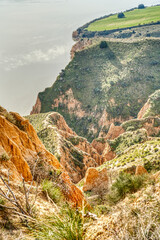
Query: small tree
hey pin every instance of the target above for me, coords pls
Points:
(103, 44)
(141, 6)
(121, 15)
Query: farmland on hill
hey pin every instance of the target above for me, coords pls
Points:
(132, 18)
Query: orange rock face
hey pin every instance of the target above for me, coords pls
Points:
(114, 131)
(102, 146)
(72, 193)
(140, 170)
(90, 156)
(151, 127)
(19, 150)
(143, 110)
(99, 145)
(61, 124)
(76, 168)
(72, 105)
(108, 154)
(106, 123)
(104, 149)
(85, 146)
(95, 180)
(77, 154)
(6, 164)
(37, 107)
(10, 139)
(34, 142)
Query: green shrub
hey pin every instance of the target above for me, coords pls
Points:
(53, 191)
(101, 140)
(101, 209)
(74, 140)
(154, 165)
(121, 15)
(4, 157)
(66, 225)
(124, 184)
(141, 6)
(103, 44)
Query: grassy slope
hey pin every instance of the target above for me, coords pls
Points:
(48, 136)
(99, 75)
(154, 102)
(132, 18)
(37, 120)
(143, 153)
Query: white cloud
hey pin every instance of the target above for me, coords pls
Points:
(35, 56)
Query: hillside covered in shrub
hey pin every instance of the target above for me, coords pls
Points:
(104, 85)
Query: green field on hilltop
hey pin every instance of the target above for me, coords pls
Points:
(132, 18)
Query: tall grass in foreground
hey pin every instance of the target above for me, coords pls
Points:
(52, 190)
(65, 225)
(142, 223)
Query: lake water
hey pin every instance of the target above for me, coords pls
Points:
(35, 43)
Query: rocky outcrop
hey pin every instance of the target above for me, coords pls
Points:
(108, 153)
(72, 193)
(75, 153)
(75, 161)
(95, 180)
(136, 170)
(140, 170)
(75, 34)
(114, 147)
(56, 119)
(82, 144)
(37, 107)
(114, 131)
(99, 144)
(107, 125)
(6, 164)
(150, 124)
(143, 110)
(129, 131)
(70, 102)
(22, 153)
(80, 45)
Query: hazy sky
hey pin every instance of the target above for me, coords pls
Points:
(35, 43)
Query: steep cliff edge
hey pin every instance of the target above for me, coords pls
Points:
(22, 154)
(96, 88)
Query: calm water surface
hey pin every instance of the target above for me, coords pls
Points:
(35, 43)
